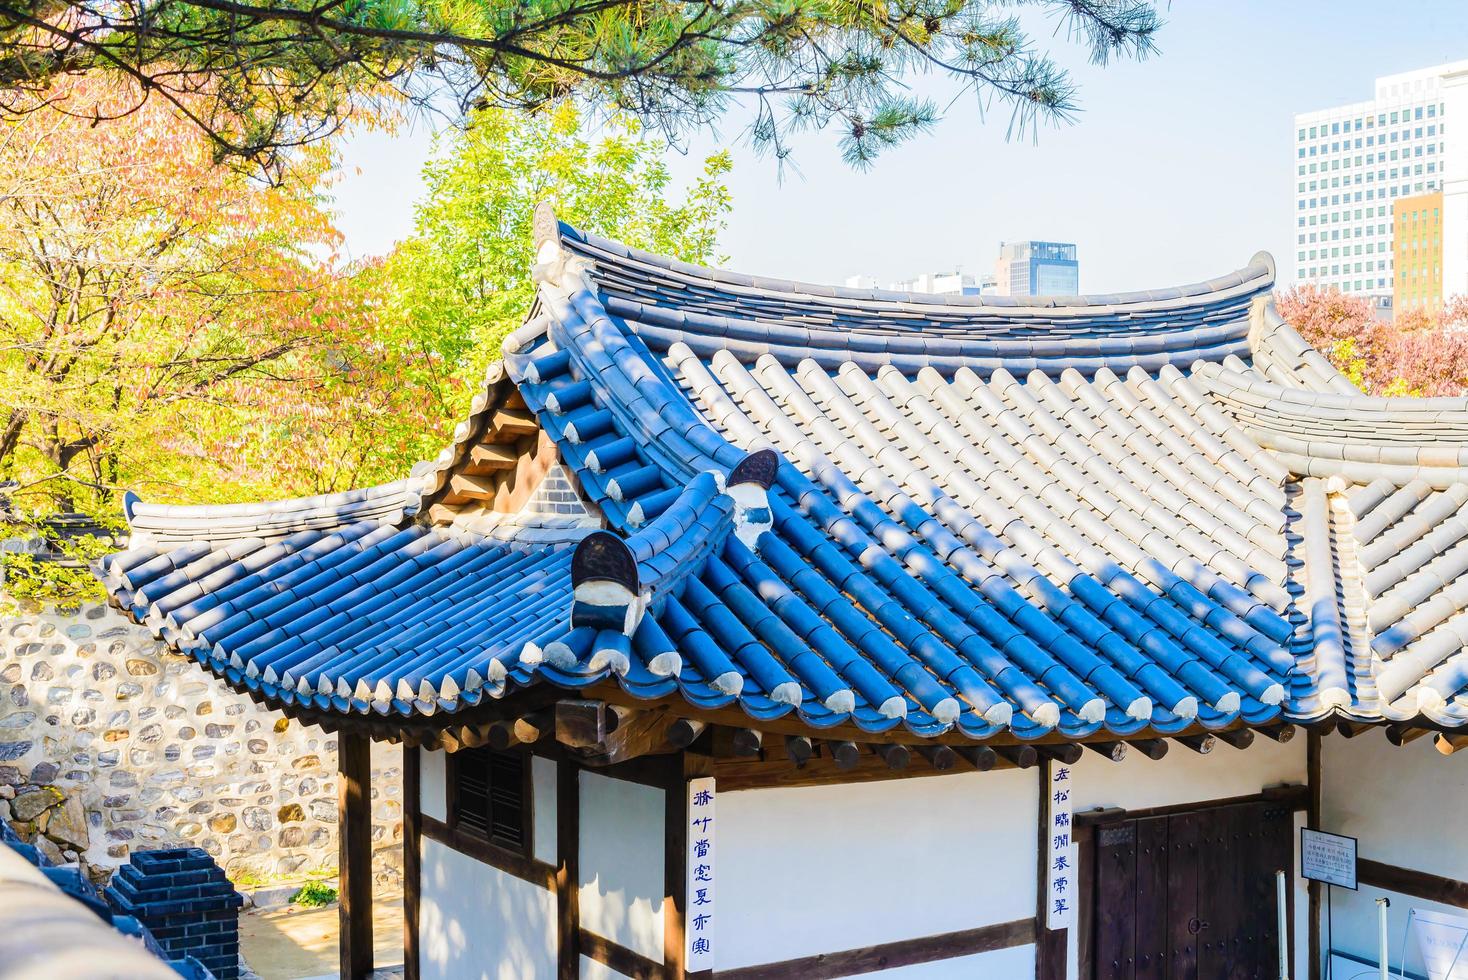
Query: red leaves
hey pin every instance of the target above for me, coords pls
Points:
(1417, 353)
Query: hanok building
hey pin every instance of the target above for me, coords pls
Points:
(718, 564)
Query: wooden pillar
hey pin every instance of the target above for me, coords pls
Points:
(675, 863)
(1312, 820)
(412, 857)
(354, 833)
(568, 873)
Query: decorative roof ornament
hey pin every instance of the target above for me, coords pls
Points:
(557, 271)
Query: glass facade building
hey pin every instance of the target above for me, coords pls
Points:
(1037, 269)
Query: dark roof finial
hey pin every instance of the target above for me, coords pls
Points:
(759, 467)
(603, 557)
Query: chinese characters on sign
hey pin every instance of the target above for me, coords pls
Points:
(1060, 879)
(700, 907)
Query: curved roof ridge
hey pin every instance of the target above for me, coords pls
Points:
(1360, 438)
(1261, 266)
(1281, 354)
(386, 503)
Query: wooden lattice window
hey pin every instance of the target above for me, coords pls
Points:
(489, 797)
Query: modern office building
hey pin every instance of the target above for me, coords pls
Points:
(1037, 269)
(1417, 252)
(955, 283)
(1353, 162)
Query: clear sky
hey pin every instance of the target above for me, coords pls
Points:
(1178, 168)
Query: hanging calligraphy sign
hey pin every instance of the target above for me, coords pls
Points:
(699, 933)
(1060, 879)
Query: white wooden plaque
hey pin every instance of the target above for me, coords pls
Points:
(699, 908)
(1060, 862)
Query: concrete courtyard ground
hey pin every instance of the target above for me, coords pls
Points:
(293, 943)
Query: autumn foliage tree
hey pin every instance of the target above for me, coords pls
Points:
(1417, 353)
(169, 326)
(166, 324)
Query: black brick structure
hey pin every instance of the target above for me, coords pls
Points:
(183, 898)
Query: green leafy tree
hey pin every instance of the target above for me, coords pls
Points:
(259, 75)
(463, 282)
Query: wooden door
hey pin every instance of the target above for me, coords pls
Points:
(1187, 896)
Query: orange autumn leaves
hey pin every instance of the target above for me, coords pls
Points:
(171, 325)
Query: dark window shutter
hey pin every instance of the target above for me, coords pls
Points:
(490, 796)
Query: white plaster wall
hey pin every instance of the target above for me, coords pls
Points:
(621, 863)
(820, 869)
(433, 798)
(1406, 806)
(543, 797)
(478, 923)
(592, 970)
(1183, 776)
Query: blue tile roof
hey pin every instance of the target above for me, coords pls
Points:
(863, 508)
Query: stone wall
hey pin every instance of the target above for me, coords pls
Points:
(109, 742)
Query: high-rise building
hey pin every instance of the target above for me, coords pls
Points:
(1417, 252)
(956, 283)
(1352, 162)
(1037, 269)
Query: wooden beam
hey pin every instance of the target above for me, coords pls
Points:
(582, 724)
(746, 742)
(940, 757)
(1350, 729)
(1448, 744)
(890, 956)
(485, 458)
(568, 875)
(512, 423)
(1239, 738)
(500, 735)
(1202, 744)
(637, 734)
(675, 867)
(471, 486)
(1022, 756)
(682, 732)
(1402, 733)
(535, 726)
(1067, 752)
(1294, 797)
(1115, 751)
(896, 756)
(412, 858)
(981, 757)
(799, 749)
(1280, 733)
(472, 736)
(354, 834)
(623, 961)
(845, 754)
(1418, 884)
(1152, 748)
